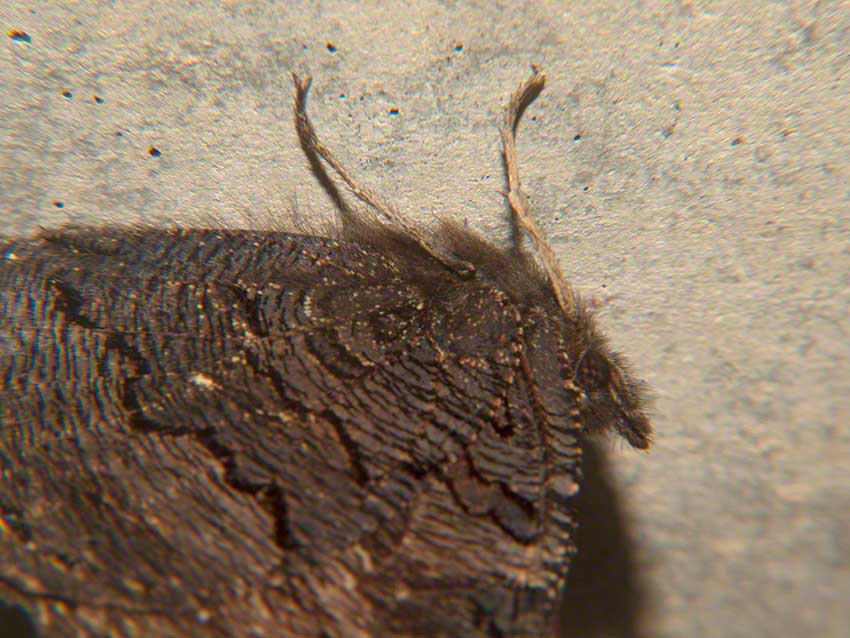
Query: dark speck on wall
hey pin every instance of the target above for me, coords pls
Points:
(16, 622)
(66, 93)
(459, 47)
(59, 204)
(738, 140)
(331, 47)
(97, 99)
(153, 151)
(393, 111)
(576, 137)
(19, 36)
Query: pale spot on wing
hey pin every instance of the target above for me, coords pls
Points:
(203, 381)
(564, 484)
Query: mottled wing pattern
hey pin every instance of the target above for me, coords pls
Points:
(222, 433)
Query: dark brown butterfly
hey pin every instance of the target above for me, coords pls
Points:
(254, 433)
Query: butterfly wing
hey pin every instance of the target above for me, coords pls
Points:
(232, 432)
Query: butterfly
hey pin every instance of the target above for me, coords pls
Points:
(374, 433)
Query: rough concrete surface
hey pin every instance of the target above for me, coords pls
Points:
(689, 160)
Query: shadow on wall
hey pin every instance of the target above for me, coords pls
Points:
(604, 594)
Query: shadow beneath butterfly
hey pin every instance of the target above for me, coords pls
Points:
(605, 594)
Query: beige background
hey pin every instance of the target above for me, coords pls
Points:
(705, 210)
